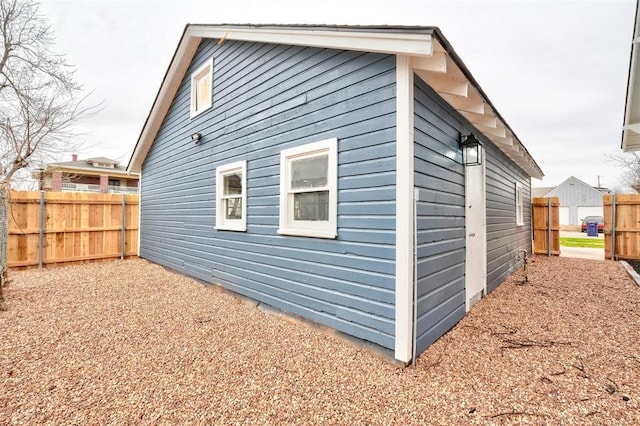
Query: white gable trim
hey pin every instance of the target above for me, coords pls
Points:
(417, 44)
(168, 89)
(429, 52)
(411, 43)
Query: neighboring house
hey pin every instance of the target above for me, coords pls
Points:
(98, 174)
(299, 165)
(541, 192)
(631, 125)
(577, 200)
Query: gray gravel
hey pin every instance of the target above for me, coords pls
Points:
(128, 342)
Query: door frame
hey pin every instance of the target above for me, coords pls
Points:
(475, 213)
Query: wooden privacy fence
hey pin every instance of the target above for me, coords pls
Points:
(48, 228)
(546, 225)
(622, 226)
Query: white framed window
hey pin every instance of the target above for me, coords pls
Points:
(201, 84)
(231, 197)
(519, 205)
(308, 190)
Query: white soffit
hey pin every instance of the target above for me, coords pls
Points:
(450, 82)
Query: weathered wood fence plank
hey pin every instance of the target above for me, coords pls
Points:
(546, 226)
(621, 226)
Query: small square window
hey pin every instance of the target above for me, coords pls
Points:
(231, 197)
(201, 83)
(519, 205)
(308, 190)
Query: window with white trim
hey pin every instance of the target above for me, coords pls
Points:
(308, 190)
(201, 83)
(231, 196)
(519, 205)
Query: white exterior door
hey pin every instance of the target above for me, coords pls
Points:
(476, 233)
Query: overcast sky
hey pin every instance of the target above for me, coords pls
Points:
(555, 70)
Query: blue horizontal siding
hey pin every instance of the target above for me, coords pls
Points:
(504, 237)
(267, 98)
(441, 227)
(440, 232)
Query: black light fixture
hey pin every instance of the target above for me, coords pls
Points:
(196, 137)
(471, 150)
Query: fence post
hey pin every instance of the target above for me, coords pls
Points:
(613, 227)
(124, 224)
(41, 233)
(549, 226)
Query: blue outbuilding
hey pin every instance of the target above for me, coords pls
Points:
(358, 177)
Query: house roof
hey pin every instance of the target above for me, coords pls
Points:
(572, 180)
(432, 58)
(631, 125)
(102, 160)
(541, 192)
(87, 167)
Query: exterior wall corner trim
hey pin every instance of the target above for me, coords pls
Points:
(404, 209)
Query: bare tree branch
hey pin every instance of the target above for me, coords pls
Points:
(629, 163)
(40, 100)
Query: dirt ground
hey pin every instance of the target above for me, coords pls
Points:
(129, 342)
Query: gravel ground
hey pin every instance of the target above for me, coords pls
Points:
(129, 342)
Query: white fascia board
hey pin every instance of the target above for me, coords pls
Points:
(170, 85)
(404, 43)
(632, 106)
(404, 210)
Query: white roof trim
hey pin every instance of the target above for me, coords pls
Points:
(428, 57)
(415, 44)
(631, 125)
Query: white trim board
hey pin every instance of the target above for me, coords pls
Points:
(404, 210)
(416, 44)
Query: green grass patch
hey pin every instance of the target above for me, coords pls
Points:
(587, 242)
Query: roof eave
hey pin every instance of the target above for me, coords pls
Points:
(631, 125)
(90, 171)
(499, 132)
(416, 42)
(170, 83)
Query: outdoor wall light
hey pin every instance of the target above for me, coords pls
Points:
(196, 137)
(471, 150)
